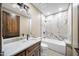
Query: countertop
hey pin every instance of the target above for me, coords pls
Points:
(13, 48)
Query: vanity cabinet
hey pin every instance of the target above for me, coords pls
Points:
(34, 50)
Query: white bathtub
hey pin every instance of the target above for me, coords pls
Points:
(56, 45)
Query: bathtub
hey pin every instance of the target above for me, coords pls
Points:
(55, 45)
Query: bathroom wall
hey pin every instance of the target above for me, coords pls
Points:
(43, 18)
(24, 25)
(75, 27)
(33, 27)
(35, 21)
(56, 25)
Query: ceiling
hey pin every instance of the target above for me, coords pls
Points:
(51, 8)
(14, 8)
(45, 8)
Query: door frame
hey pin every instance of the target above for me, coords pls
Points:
(0, 30)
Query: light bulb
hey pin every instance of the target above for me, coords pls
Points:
(60, 9)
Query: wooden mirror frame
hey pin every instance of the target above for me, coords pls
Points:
(9, 25)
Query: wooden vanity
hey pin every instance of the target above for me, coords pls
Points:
(34, 50)
(23, 48)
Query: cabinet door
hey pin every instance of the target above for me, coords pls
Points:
(37, 51)
(10, 25)
(32, 54)
(34, 50)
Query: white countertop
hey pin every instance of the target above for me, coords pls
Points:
(16, 47)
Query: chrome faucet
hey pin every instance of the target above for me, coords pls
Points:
(28, 36)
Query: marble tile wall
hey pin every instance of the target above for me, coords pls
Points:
(55, 26)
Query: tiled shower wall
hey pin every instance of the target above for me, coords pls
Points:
(55, 26)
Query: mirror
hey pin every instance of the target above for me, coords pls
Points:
(14, 25)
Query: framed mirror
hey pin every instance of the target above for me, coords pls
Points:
(10, 25)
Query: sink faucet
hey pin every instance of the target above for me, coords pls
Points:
(27, 36)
